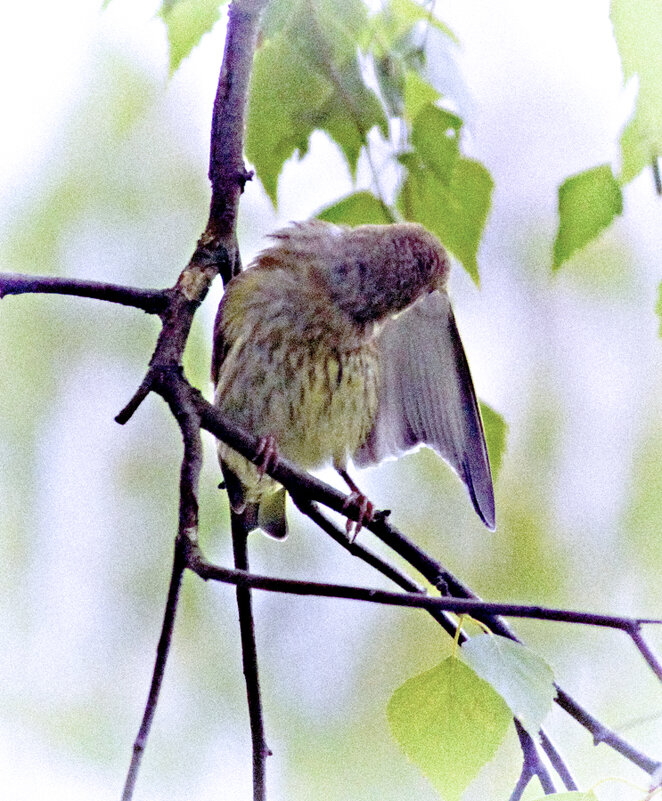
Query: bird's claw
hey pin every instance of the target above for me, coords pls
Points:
(266, 455)
(366, 512)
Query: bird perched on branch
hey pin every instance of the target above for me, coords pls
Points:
(340, 342)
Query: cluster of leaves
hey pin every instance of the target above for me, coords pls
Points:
(308, 76)
(312, 72)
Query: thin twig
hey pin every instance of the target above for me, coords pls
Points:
(178, 567)
(602, 734)
(458, 606)
(532, 765)
(136, 399)
(355, 548)
(556, 761)
(249, 659)
(644, 648)
(152, 301)
(657, 177)
(522, 783)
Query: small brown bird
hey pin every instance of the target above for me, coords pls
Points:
(340, 342)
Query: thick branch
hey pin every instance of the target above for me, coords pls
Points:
(216, 251)
(227, 171)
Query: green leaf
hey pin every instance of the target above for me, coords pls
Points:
(520, 676)
(456, 211)
(417, 94)
(496, 431)
(350, 111)
(306, 77)
(360, 208)
(435, 138)
(588, 202)
(329, 29)
(279, 120)
(186, 22)
(449, 722)
(638, 32)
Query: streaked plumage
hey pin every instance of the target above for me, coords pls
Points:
(340, 343)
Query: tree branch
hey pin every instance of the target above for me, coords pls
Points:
(227, 171)
(187, 537)
(152, 301)
(458, 606)
(532, 766)
(303, 485)
(249, 659)
(557, 763)
(602, 734)
(216, 252)
(178, 567)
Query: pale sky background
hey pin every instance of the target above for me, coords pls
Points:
(542, 98)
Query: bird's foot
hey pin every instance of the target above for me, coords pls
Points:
(365, 509)
(267, 454)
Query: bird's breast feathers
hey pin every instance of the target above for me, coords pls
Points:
(290, 374)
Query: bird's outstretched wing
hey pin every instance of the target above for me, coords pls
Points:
(427, 396)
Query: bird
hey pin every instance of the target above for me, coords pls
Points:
(340, 343)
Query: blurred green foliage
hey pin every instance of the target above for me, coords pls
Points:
(638, 28)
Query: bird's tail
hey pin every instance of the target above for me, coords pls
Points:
(268, 514)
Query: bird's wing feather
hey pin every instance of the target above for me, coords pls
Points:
(427, 396)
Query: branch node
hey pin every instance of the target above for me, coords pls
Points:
(244, 176)
(598, 737)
